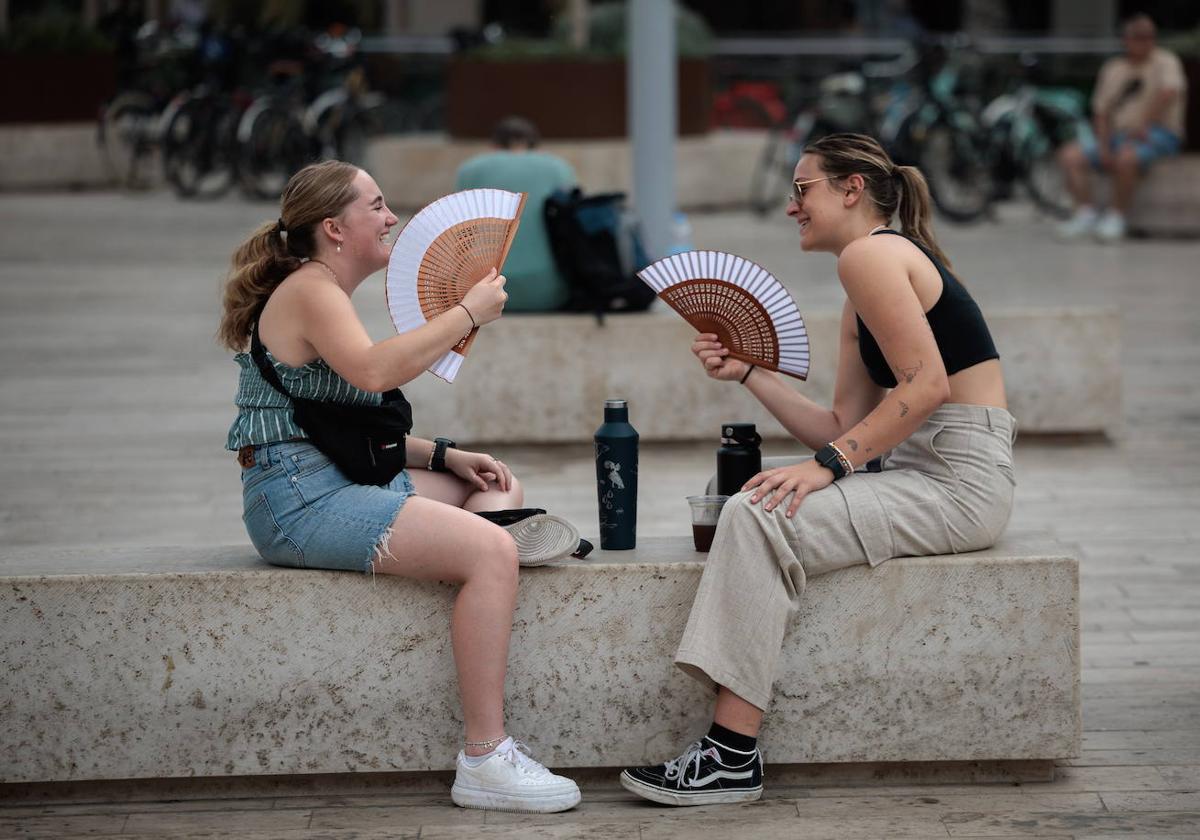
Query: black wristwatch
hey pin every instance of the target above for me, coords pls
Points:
(831, 459)
(437, 458)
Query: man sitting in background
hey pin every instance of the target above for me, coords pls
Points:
(534, 283)
(1137, 114)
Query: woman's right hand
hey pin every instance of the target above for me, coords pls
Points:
(715, 358)
(485, 300)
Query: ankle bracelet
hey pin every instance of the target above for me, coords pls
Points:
(487, 745)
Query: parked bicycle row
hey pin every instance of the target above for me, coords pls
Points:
(248, 112)
(928, 110)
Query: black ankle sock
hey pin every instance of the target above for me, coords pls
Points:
(734, 742)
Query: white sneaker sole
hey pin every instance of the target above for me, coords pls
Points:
(666, 797)
(466, 796)
(543, 538)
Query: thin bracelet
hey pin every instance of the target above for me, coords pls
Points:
(488, 745)
(474, 326)
(842, 459)
(747, 376)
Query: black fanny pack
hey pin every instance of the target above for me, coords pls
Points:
(365, 441)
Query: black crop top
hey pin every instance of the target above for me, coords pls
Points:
(961, 334)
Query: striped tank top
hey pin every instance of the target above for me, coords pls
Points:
(265, 415)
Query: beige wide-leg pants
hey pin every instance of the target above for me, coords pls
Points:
(947, 489)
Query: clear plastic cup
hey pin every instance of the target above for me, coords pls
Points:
(706, 510)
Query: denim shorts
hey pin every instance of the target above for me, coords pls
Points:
(1159, 143)
(301, 511)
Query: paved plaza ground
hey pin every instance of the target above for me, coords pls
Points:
(114, 402)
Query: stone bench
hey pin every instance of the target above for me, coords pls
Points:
(1167, 202)
(544, 378)
(174, 662)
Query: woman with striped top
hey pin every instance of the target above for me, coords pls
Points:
(293, 279)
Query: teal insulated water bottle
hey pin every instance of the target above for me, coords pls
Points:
(616, 477)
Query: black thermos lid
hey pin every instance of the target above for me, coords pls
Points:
(743, 433)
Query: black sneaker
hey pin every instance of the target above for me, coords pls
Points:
(512, 516)
(699, 777)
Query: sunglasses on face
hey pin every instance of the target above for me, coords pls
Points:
(800, 188)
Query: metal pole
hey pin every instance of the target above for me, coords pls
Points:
(650, 82)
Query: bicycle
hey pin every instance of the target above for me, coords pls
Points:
(844, 102)
(926, 123)
(199, 142)
(936, 127)
(129, 126)
(282, 131)
(272, 143)
(1027, 126)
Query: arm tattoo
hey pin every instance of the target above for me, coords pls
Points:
(853, 444)
(910, 373)
(903, 408)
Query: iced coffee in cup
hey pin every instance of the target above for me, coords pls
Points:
(706, 510)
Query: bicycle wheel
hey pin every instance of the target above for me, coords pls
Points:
(126, 134)
(272, 146)
(198, 150)
(341, 131)
(1043, 176)
(955, 165)
(352, 139)
(773, 174)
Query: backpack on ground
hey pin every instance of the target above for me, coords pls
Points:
(598, 252)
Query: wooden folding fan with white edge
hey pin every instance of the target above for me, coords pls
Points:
(749, 310)
(443, 251)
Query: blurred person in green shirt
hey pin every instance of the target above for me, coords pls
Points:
(534, 282)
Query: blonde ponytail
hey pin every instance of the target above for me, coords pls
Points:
(260, 264)
(276, 249)
(894, 190)
(915, 209)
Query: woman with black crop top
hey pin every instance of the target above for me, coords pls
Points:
(919, 388)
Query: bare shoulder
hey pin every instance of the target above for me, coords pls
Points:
(873, 260)
(306, 290)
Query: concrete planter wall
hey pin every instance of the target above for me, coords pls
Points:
(55, 88)
(564, 99)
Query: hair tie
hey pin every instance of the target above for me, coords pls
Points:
(280, 227)
(896, 173)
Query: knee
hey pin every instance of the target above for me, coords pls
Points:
(740, 512)
(1071, 156)
(517, 491)
(1126, 161)
(499, 560)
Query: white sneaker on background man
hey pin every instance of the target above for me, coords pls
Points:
(1111, 227)
(1082, 222)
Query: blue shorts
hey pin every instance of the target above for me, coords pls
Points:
(300, 510)
(1159, 143)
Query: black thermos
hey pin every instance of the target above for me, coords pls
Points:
(616, 477)
(739, 458)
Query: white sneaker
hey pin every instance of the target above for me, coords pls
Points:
(510, 780)
(543, 538)
(1111, 227)
(1081, 223)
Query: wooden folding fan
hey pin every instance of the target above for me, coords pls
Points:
(750, 311)
(442, 252)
